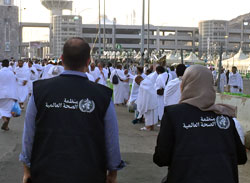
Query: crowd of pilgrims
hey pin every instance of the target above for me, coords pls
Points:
(153, 86)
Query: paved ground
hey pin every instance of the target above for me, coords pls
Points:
(136, 147)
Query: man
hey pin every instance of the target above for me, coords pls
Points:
(71, 130)
(103, 74)
(161, 82)
(223, 80)
(172, 92)
(38, 67)
(126, 86)
(55, 70)
(33, 76)
(135, 91)
(147, 105)
(94, 71)
(22, 76)
(8, 94)
(172, 72)
(119, 88)
(214, 73)
(46, 69)
(235, 81)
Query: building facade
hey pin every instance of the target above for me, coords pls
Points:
(9, 30)
(231, 35)
(129, 37)
(64, 27)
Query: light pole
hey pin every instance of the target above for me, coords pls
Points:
(220, 68)
(104, 28)
(148, 27)
(99, 34)
(142, 32)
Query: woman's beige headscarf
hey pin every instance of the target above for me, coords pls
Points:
(198, 90)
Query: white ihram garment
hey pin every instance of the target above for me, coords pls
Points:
(46, 69)
(90, 77)
(33, 77)
(147, 102)
(118, 88)
(22, 75)
(126, 89)
(8, 92)
(235, 80)
(161, 83)
(103, 77)
(172, 92)
(55, 70)
(95, 73)
(223, 81)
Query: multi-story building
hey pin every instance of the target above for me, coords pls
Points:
(129, 37)
(232, 35)
(212, 34)
(9, 26)
(64, 27)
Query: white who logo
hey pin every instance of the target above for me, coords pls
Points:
(223, 122)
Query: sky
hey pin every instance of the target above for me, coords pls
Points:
(163, 12)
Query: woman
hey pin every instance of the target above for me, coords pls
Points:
(198, 139)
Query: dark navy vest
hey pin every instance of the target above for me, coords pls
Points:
(69, 145)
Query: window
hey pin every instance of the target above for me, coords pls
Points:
(7, 2)
(7, 36)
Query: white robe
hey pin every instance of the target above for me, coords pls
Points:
(55, 70)
(135, 89)
(22, 75)
(173, 74)
(153, 76)
(118, 88)
(8, 85)
(235, 80)
(95, 73)
(161, 83)
(126, 89)
(33, 77)
(39, 69)
(46, 70)
(223, 82)
(103, 77)
(172, 92)
(90, 77)
(147, 102)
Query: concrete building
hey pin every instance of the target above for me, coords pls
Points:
(56, 8)
(64, 27)
(129, 37)
(9, 26)
(232, 35)
(212, 34)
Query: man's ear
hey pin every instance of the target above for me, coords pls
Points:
(88, 62)
(62, 60)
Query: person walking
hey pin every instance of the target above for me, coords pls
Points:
(8, 94)
(199, 140)
(71, 130)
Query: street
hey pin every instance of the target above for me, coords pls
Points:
(137, 148)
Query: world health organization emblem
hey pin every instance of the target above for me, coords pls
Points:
(223, 122)
(87, 105)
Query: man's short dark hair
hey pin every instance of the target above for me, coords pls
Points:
(140, 69)
(172, 68)
(160, 69)
(5, 63)
(180, 70)
(76, 52)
